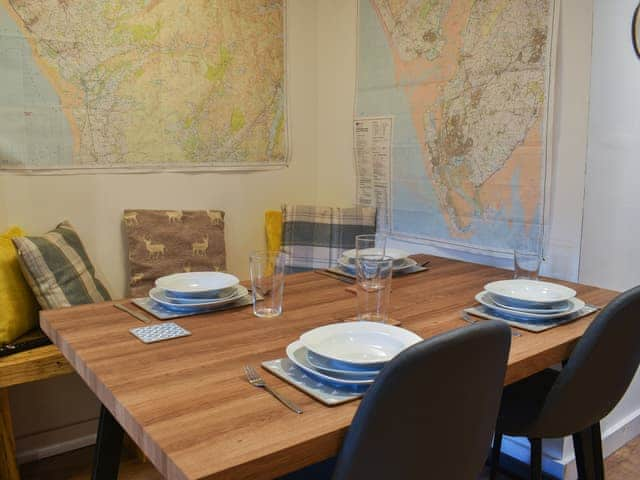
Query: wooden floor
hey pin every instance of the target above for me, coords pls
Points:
(622, 465)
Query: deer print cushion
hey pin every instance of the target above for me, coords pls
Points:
(161, 242)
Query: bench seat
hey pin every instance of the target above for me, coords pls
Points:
(32, 365)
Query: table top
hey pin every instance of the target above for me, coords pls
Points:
(186, 401)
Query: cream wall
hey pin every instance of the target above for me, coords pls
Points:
(94, 204)
(336, 88)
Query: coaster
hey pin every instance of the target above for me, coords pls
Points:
(159, 332)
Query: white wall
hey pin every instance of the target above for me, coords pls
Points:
(610, 248)
(94, 204)
(611, 252)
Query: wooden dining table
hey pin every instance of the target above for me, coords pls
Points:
(187, 404)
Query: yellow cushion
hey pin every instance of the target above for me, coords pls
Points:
(18, 306)
(273, 228)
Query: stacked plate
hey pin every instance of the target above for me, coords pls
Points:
(349, 353)
(401, 260)
(196, 291)
(530, 300)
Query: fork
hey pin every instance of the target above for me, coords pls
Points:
(467, 318)
(257, 381)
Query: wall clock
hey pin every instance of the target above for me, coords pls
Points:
(635, 30)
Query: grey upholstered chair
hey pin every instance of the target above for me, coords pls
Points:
(431, 412)
(573, 401)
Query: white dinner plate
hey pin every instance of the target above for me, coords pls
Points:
(486, 299)
(532, 308)
(330, 366)
(197, 284)
(157, 295)
(397, 267)
(360, 342)
(297, 353)
(533, 291)
(395, 253)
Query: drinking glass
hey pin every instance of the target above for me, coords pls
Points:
(373, 278)
(267, 280)
(526, 264)
(373, 244)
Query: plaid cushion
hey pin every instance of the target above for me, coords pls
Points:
(315, 237)
(58, 269)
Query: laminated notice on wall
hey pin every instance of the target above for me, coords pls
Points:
(372, 151)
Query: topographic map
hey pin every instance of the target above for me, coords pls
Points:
(142, 83)
(466, 82)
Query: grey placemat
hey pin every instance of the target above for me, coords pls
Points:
(326, 393)
(532, 326)
(164, 313)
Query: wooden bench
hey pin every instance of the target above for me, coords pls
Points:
(39, 363)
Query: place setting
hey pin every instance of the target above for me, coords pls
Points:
(184, 294)
(528, 303)
(403, 263)
(338, 362)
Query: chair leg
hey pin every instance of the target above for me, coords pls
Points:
(598, 459)
(495, 454)
(587, 445)
(536, 458)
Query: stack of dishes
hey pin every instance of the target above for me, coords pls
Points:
(349, 353)
(529, 300)
(401, 260)
(196, 291)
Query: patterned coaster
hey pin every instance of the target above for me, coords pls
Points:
(327, 393)
(159, 332)
(163, 313)
(532, 326)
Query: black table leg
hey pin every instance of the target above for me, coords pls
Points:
(106, 459)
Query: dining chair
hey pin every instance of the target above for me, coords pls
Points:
(555, 404)
(431, 411)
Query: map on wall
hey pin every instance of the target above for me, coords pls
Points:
(166, 84)
(466, 83)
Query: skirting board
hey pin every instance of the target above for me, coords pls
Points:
(54, 442)
(616, 436)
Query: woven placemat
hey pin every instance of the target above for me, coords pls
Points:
(531, 326)
(163, 313)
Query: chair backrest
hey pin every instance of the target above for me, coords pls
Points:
(598, 372)
(432, 410)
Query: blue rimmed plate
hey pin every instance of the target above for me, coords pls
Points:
(297, 353)
(331, 366)
(486, 299)
(157, 295)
